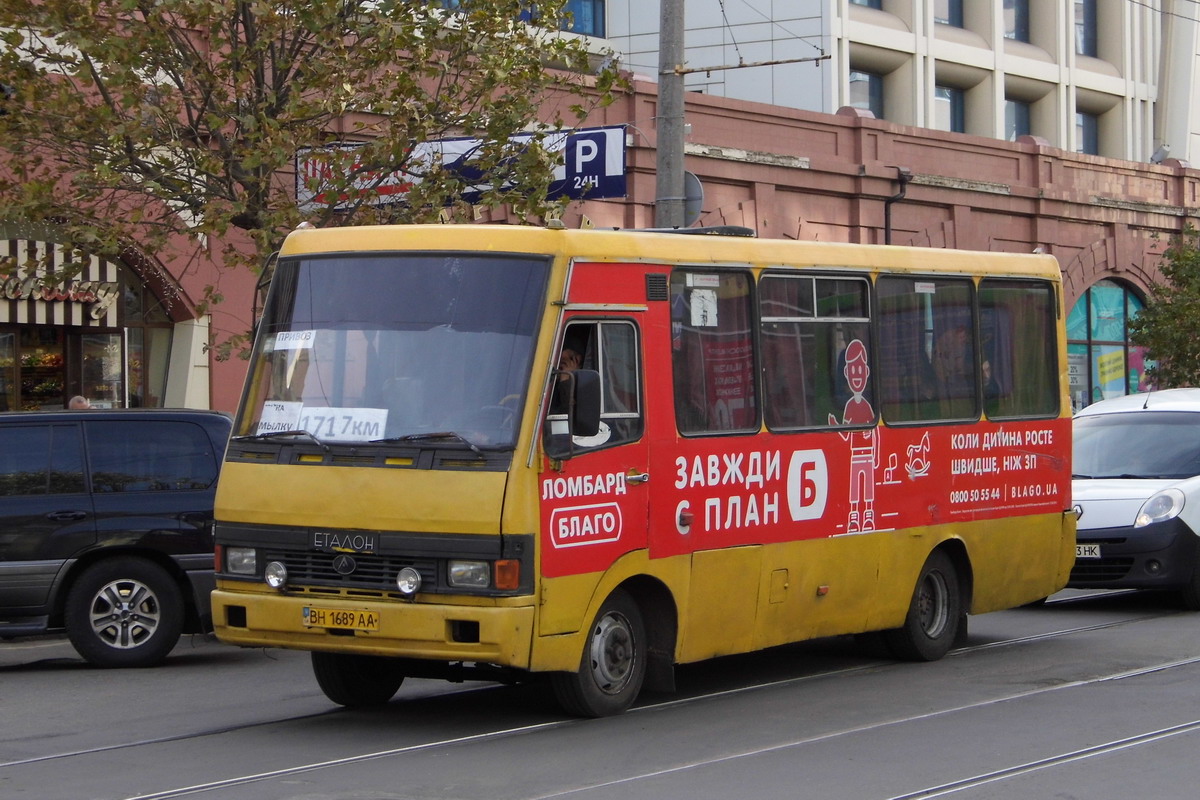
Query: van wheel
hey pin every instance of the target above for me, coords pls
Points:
(934, 614)
(355, 681)
(124, 612)
(613, 666)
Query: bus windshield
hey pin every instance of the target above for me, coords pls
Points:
(429, 347)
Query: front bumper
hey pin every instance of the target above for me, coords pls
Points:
(1159, 556)
(485, 634)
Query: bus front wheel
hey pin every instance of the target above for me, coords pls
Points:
(934, 614)
(613, 666)
(355, 681)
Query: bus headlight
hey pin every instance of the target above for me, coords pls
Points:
(241, 560)
(469, 574)
(275, 575)
(1160, 507)
(408, 581)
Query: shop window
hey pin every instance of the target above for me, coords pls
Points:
(1102, 362)
(8, 371)
(148, 343)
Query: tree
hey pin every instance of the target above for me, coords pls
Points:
(1166, 327)
(150, 122)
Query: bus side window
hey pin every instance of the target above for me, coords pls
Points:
(807, 326)
(1020, 367)
(929, 357)
(610, 348)
(712, 349)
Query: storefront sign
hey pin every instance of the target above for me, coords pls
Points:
(99, 295)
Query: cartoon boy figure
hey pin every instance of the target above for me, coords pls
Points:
(864, 444)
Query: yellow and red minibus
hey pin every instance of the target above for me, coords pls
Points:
(497, 452)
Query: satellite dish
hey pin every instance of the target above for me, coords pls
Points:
(693, 198)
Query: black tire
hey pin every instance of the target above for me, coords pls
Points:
(935, 613)
(124, 612)
(613, 666)
(357, 681)
(1189, 595)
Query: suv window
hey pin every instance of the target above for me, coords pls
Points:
(149, 456)
(40, 459)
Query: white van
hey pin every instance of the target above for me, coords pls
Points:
(1136, 490)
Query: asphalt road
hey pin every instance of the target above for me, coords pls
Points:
(1087, 697)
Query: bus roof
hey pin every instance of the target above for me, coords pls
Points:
(627, 245)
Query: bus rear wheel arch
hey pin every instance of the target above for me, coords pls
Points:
(936, 612)
(612, 667)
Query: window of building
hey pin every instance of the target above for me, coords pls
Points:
(866, 92)
(587, 17)
(948, 12)
(867, 3)
(1016, 119)
(949, 106)
(1016, 20)
(1102, 362)
(1085, 27)
(712, 342)
(1087, 133)
(807, 327)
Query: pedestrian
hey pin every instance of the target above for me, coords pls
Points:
(79, 402)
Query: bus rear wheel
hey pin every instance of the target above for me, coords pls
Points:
(613, 666)
(355, 681)
(934, 614)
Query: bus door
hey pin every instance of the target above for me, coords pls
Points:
(595, 485)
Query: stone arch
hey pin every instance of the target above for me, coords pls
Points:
(1100, 260)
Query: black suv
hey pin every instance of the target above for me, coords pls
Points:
(106, 528)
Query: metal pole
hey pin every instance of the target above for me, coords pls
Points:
(669, 191)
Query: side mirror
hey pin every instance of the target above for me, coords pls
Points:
(579, 397)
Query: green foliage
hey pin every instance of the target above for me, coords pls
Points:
(140, 121)
(1166, 327)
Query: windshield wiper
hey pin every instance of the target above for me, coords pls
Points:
(417, 437)
(257, 437)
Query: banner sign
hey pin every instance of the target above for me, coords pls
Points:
(592, 166)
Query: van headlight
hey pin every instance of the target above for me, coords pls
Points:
(1160, 507)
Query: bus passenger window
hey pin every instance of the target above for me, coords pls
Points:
(712, 347)
(1017, 328)
(929, 359)
(807, 326)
